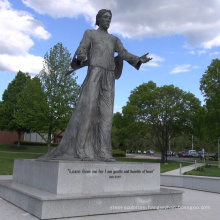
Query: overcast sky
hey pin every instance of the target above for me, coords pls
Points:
(182, 37)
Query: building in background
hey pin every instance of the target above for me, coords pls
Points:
(7, 137)
(35, 137)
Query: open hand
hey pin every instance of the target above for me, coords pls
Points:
(145, 59)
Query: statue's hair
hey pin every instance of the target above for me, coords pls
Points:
(100, 13)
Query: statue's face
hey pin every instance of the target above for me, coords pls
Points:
(105, 20)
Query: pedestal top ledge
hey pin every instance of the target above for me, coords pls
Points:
(63, 177)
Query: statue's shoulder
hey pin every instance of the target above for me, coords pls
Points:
(89, 31)
(114, 37)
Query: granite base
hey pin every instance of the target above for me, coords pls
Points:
(45, 204)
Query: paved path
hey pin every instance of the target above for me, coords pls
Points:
(184, 169)
(172, 172)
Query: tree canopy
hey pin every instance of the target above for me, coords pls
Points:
(60, 91)
(34, 106)
(166, 111)
(210, 87)
(10, 107)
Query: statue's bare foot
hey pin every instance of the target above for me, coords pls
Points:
(86, 159)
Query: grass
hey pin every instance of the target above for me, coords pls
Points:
(28, 149)
(7, 156)
(213, 171)
(210, 162)
(7, 161)
(172, 165)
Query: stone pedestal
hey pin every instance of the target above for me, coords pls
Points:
(56, 189)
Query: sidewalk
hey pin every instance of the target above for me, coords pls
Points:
(196, 204)
(184, 169)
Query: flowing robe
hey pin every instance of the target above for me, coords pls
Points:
(88, 133)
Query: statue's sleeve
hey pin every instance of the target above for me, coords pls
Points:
(125, 55)
(84, 45)
(83, 49)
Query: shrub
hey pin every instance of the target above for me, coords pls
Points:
(216, 157)
(200, 169)
(187, 173)
(207, 165)
(210, 158)
(117, 153)
(35, 143)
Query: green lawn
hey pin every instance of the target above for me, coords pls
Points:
(7, 156)
(172, 165)
(7, 161)
(213, 171)
(211, 162)
(29, 149)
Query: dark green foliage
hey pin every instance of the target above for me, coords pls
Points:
(208, 165)
(187, 173)
(29, 143)
(200, 169)
(158, 114)
(10, 105)
(33, 105)
(210, 87)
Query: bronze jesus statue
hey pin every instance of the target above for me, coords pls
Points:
(88, 133)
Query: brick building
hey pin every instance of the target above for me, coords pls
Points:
(7, 137)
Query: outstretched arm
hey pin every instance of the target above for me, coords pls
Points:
(132, 59)
(145, 59)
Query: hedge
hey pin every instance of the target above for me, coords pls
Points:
(117, 153)
(35, 143)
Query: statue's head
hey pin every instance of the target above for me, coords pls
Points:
(107, 16)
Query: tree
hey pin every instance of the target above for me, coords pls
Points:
(210, 87)
(61, 91)
(33, 106)
(128, 134)
(117, 124)
(10, 105)
(167, 111)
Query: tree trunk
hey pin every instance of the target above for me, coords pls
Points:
(163, 156)
(48, 141)
(19, 140)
